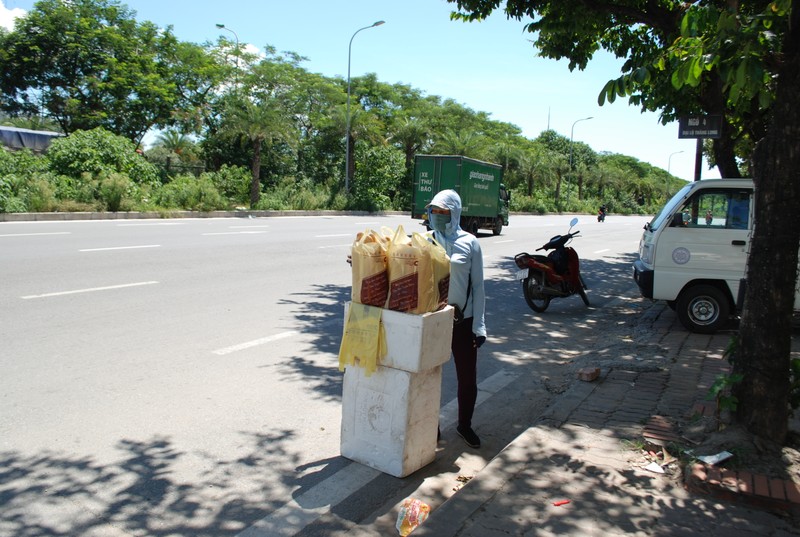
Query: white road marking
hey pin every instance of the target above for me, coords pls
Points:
(254, 343)
(601, 251)
(152, 224)
(246, 227)
(89, 290)
(120, 248)
(503, 242)
(235, 233)
(292, 517)
(36, 234)
(336, 246)
(329, 236)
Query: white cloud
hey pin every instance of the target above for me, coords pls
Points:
(7, 16)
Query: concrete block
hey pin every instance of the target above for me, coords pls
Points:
(416, 342)
(390, 419)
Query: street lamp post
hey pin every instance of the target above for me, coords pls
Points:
(571, 132)
(223, 27)
(669, 165)
(347, 128)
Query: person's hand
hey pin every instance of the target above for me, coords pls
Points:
(480, 340)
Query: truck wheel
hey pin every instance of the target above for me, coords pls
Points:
(532, 290)
(472, 226)
(703, 309)
(498, 226)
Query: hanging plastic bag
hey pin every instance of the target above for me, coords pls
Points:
(441, 274)
(370, 276)
(410, 274)
(363, 340)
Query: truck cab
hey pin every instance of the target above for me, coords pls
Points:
(693, 254)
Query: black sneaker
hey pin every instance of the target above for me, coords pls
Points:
(469, 436)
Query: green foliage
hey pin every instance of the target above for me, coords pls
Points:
(99, 152)
(720, 391)
(233, 182)
(290, 194)
(380, 173)
(190, 193)
(21, 162)
(89, 63)
(113, 189)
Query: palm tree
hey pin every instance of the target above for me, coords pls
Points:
(464, 143)
(174, 142)
(411, 135)
(260, 123)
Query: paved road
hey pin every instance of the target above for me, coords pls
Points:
(179, 376)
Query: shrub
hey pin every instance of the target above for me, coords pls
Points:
(188, 192)
(233, 182)
(99, 152)
(113, 190)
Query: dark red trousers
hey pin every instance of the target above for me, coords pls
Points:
(465, 358)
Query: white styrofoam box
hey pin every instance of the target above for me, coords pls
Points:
(416, 342)
(390, 419)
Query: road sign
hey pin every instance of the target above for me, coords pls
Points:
(700, 127)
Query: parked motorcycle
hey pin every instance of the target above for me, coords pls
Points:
(552, 276)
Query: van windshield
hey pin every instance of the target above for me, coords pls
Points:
(669, 208)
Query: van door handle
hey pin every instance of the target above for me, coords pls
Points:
(738, 243)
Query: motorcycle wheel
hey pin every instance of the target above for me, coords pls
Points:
(532, 290)
(582, 292)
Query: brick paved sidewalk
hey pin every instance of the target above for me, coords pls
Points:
(579, 471)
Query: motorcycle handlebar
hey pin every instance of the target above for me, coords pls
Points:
(559, 240)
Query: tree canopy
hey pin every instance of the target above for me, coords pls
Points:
(739, 60)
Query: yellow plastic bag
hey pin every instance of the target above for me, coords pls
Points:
(441, 274)
(410, 274)
(370, 277)
(363, 340)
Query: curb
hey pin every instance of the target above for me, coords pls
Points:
(778, 495)
(133, 215)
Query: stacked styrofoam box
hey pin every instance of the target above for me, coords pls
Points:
(390, 419)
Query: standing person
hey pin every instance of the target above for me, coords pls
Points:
(466, 291)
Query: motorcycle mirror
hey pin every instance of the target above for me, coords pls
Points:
(573, 222)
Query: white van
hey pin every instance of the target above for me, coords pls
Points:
(693, 254)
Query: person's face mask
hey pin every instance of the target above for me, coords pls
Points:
(439, 221)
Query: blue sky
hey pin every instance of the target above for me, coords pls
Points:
(489, 66)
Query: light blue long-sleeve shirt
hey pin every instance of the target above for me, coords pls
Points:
(466, 263)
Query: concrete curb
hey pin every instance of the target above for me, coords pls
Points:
(132, 215)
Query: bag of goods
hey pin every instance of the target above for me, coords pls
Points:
(441, 274)
(370, 279)
(412, 284)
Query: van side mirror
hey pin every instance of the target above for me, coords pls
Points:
(680, 219)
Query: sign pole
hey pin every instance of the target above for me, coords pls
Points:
(698, 159)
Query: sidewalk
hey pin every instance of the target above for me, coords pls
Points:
(581, 469)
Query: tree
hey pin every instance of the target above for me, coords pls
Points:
(739, 59)
(87, 64)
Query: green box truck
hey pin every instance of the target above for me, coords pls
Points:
(484, 198)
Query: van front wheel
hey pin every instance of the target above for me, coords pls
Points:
(703, 309)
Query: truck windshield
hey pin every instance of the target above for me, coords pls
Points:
(669, 208)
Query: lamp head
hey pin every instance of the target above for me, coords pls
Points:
(379, 23)
(220, 25)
